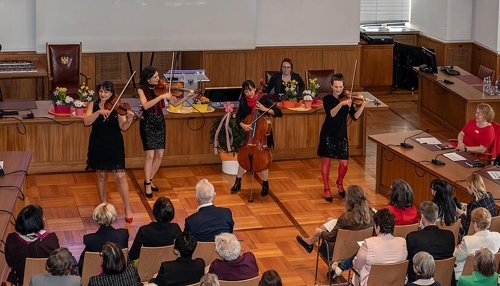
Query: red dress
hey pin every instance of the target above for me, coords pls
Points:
(403, 217)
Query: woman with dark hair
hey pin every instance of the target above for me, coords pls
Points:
(333, 142)
(270, 278)
(29, 240)
(58, 266)
(248, 105)
(152, 128)
(401, 203)
(106, 148)
(160, 232)
(115, 271)
(286, 74)
(441, 191)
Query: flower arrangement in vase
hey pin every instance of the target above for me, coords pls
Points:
(308, 101)
(79, 107)
(314, 89)
(62, 102)
(85, 93)
(290, 90)
(201, 102)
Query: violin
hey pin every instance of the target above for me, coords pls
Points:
(356, 98)
(164, 86)
(122, 108)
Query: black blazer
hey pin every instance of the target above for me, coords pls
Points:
(94, 241)
(208, 222)
(182, 271)
(275, 82)
(440, 243)
(152, 235)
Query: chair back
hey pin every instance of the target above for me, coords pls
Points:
(469, 263)
(92, 265)
(247, 282)
(206, 250)
(455, 228)
(444, 270)
(347, 242)
(324, 80)
(495, 224)
(403, 230)
(268, 75)
(485, 72)
(150, 260)
(388, 274)
(32, 267)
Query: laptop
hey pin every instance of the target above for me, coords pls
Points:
(220, 95)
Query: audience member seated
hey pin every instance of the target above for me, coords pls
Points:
(440, 243)
(441, 191)
(424, 267)
(478, 134)
(160, 232)
(210, 220)
(481, 221)
(183, 270)
(357, 216)
(29, 240)
(401, 203)
(59, 265)
(114, 268)
(482, 198)
(270, 278)
(234, 266)
(484, 270)
(209, 279)
(380, 249)
(286, 74)
(104, 215)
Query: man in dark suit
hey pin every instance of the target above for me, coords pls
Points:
(439, 243)
(184, 270)
(210, 220)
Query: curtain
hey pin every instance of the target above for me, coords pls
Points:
(384, 11)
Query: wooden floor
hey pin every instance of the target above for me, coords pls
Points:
(267, 227)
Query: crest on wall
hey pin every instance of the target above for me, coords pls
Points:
(64, 60)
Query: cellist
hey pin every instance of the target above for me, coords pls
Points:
(249, 105)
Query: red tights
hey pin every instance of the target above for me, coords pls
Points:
(325, 173)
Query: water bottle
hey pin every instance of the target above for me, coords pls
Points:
(496, 87)
(488, 85)
(484, 84)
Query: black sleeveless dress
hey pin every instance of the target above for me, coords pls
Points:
(106, 147)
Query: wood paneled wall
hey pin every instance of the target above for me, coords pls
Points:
(485, 57)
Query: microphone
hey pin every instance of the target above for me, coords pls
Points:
(497, 161)
(408, 146)
(438, 162)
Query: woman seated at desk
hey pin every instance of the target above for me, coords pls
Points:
(278, 80)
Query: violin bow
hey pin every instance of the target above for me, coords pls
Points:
(353, 76)
(123, 90)
(171, 73)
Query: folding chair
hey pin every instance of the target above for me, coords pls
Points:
(150, 260)
(444, 270)
(403, 230)
(32, 267)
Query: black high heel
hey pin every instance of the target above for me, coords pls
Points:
(150, 195)
(154, 188)
(327, 195)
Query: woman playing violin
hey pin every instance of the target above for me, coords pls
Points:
(152, 128)
(333, 141)
(106, 148)
(249, 105)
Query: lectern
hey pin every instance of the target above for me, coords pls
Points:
(192, 79)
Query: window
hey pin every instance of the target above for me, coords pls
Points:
(384, 11)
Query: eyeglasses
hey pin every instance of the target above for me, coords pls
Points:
(285, 67)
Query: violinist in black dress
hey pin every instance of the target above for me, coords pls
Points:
(106, 148)
(249, 105)
(333, 141)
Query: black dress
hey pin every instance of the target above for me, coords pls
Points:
(106, 147)
(152, 128)
(333, 141)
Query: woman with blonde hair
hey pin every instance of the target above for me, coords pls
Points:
(478, 134)
(482, 198)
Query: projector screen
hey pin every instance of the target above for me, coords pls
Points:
(147, 25)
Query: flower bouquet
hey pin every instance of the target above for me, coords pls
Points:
(290, 91)
(79, 107)
(201, 102)
(314, 89)
(62, 102)
(307, 99)
(85, 94)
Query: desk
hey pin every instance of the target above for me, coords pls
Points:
(13, 161)
(395, 162)
(41, 73)
(451, 104)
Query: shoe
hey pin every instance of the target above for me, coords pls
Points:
(265, 189)
(150, 195)
(341, 189)
(335, 270)
(237, 185)
(308, 247)
(154, 188)
(129, 219)
(328, 195)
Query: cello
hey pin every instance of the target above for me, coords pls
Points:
(254, 154)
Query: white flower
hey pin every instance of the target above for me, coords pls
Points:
(89, 98)
(68, 99)
(79, 104)
(306, 92)
(91, 92)
(58, 102)
(308, 98)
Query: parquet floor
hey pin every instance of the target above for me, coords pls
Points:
(267, 227)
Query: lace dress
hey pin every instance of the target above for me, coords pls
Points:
(152, 128)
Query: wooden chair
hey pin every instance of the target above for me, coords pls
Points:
(485, 72)
(388, 274)
(150, 260)
(455, 228)
(495, 225)
(469, 263)
(206, 250)
(247, 282)
(92, 265)
(444, 270)
(324, 80)
(268, 75)
(32, 267)
(403, 230)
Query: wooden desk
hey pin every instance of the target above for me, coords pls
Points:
(11, 188)
(41, 73)
(415, 167)
(452, 104)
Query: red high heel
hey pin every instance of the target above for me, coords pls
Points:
(328, 195)
(129, 219)
(341, 189)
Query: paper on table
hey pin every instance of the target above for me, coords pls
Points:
(329, 225)
(428, 140)
(494, 174)
(454, 156)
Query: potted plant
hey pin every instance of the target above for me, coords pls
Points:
(200, 102)
(227, 137)
(314, 89)
(289, 99)
(62, 102)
